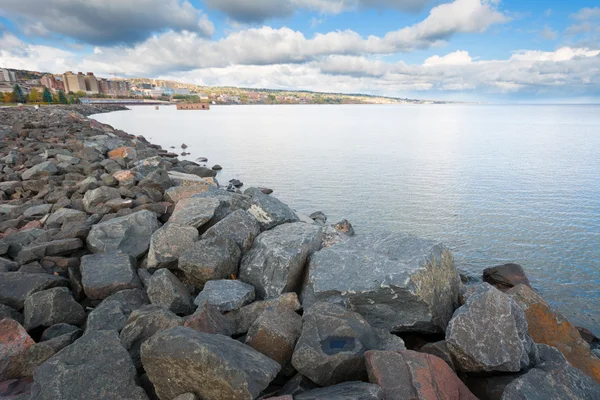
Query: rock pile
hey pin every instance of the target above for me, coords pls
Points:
(126, 273)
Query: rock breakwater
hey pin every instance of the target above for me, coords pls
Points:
(126, 273)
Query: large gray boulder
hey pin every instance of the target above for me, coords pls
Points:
(553, 378)
(108, 273)
(226, 294)
(239, 226)
(275, 263)
(194, 211)
(114, 310)
(344, 391)
(498, 326)
(243, 318)
(398, 282)
(92, 198)
(168, 242)
(167, 291)
(65, 215)
(52, 306)
(129, 234)
(332, 345)
(41, 170)
(95, 367)
(15, 287)
(212, 366)
(269, 211)
(210, 259)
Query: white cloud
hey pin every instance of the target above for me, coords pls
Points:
(548, 34)
(456, 58)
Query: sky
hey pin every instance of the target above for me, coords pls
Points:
(463, 50)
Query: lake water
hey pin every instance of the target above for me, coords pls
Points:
(497, 184)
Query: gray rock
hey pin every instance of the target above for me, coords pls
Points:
(52, 306)
(388, 341)
(208, 319)
(144, 323)
(244, 317)
(234, 370)
(298, 384)
(269, 211)
(497, 324)
(40, 171)
(319, 217)
(239, 226)
(168, 242)
(167, 291)
(158, 179)
(59, 330)
(275, 263)
(98, 196)
(344, 391)
(94, 367)
(332, 345)
(202, 172)
(129, 234)
(68, 159)
(108, 273)
(37, 211)
(18, 240)
(552, 379)
(226, 295)
(65, 215)
(9, 312)
(440, 349)
(186, 396)
(194, 211)
(398, 282)
(15, 287)
(54, 248)
(7, 265)
(210, 259)
(114, 311)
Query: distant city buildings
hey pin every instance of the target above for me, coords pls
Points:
(74, 83)
(7, 75)
(91, 83)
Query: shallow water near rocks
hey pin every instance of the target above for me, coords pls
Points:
(495, 183)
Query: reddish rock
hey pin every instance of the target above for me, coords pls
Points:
(208, 319)
(505, 276)
(14, 340)
(548, 326)
(125, 177)
(15, 389)
(32, 225)
(411, 375)
(123, 152)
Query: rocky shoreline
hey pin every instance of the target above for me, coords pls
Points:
(126, 273)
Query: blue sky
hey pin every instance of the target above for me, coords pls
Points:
(488, 50)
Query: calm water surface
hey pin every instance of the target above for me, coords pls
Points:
(497, 184)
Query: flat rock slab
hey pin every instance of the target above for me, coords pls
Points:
(344, 391)
(129, 234)
(53, 248)
(168, 242)
(194, 211)
(108, 273)
(212, 366)
(269, 211)
(52, 306)
(275, 263)
(225, 294)
(398, 282)
(497, 324)
(15, 287)
(95, 367)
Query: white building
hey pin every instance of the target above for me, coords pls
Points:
(7, 76)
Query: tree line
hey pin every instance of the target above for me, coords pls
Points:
(18, 96)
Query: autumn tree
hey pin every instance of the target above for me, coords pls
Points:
(34, 95)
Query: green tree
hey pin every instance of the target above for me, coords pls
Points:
(34, 95)
(80, 93)
(17, 94)
(272, 98)
(47, 96)
(62, 98)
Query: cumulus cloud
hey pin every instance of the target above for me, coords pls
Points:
(107, 22)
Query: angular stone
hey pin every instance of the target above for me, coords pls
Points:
(15, 287)
(9, 312)
(269, 211)
(210, 259)
(40, 171)
(123, 152)
(53, 248)
(244, 317)
(68, 159)
(95, 367)
(498, 325)
(113, 312)
(239, 226)
(275, 333)
(108, 273)
(158, 179)
(14, 340)
(7, 265)
(388, 341)
(548, 326)
(59, 330)
(345, 227)
(275, 263)
(234, 370)
(226, 295)
(344, 391)
(332, 345)
(200, 171)
(298, 384)
(64, 215)
(188, 180)
(208, 319)
(194, 211)
(411, 375)
(440, 349)
(168, 242)
(144, 323)
(129, 234)
(52, 306)
(505, 276)
(167, 291)
(177, 193)
(37, 211)
(398, 282)
(92, 198)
